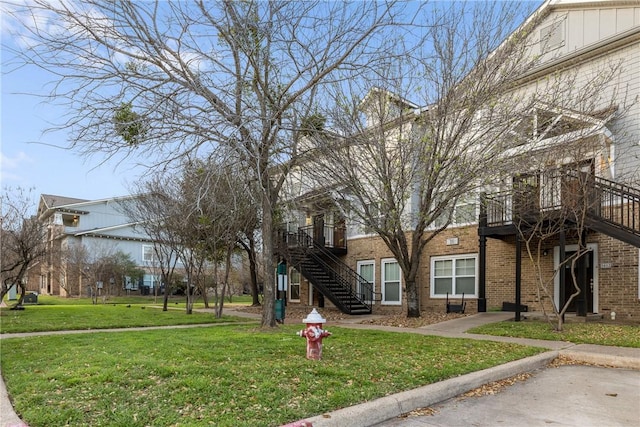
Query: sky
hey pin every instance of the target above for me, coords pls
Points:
(37, 160)
(31, 158)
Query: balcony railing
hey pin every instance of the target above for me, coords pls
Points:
(566, 194)
(333, 236)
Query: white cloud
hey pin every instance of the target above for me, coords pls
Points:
(16, 162)
(12, 168)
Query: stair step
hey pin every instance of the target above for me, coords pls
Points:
(328, 281)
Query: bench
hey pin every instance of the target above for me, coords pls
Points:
(456, 308)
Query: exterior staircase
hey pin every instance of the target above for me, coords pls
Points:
(617, 211)
(335, 280)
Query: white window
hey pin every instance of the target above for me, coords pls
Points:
(148, 255)
(150, 281)
(294, 285)
(367, 270)
(465, 212)
(391, 282)
(454, 275)
(373, 216)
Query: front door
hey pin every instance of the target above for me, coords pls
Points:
(366, 270)
(526, 196)
(578, 194)
(318, 229)
(584, 282)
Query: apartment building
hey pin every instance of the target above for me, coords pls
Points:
(567, 217)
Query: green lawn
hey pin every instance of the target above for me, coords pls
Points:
(64, 317)
(578, 333)
(224, 375)
(132, 299)
(229, 375)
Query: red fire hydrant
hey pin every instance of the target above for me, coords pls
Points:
(314, 334)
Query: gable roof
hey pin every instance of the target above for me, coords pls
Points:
(51, 201)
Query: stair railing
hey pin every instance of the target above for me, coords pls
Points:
(618, 204)
(359, 290)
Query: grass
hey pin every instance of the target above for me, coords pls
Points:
(229, 375)
(133, 299)
(224, 375)
(66, 317)
(578, 333)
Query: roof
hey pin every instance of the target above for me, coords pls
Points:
(52, 201)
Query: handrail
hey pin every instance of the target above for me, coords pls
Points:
(619, 204)
(341, 274)
(356, 285)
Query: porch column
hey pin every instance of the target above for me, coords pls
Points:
(518, 275)
(482, 267)
(482, 275)
(562, 272)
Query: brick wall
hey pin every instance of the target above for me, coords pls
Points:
(616, 272)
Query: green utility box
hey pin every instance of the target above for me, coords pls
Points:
(280, 308)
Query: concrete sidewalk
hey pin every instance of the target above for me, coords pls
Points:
(390, 407)
(385, 411)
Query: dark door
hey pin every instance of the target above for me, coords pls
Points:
(578, 190)
(526, 196)
(339, 238)
(584, 281)
(318, 228)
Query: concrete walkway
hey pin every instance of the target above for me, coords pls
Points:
(390, 407)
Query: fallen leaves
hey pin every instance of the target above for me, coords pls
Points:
(420, 412)
(395, 320)
(402, 321)
(496, 387)
(563, 360)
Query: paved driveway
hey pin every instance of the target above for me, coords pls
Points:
(570, 395)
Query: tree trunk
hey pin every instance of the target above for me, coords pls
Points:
(413, 305)
(253, 270)
(189, 295)
(224, 283)
(269, 306)
(23, 292)
(167, 289)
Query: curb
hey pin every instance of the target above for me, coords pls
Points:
(388, 407)
(619, 361)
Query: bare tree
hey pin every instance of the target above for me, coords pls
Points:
(223, 207)
(554, 196)
(164, 79)
(23, 239)
(426, 131)
(72, 258)
(148, 210)
(407, 147)
(95, 263)
(248, 242)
